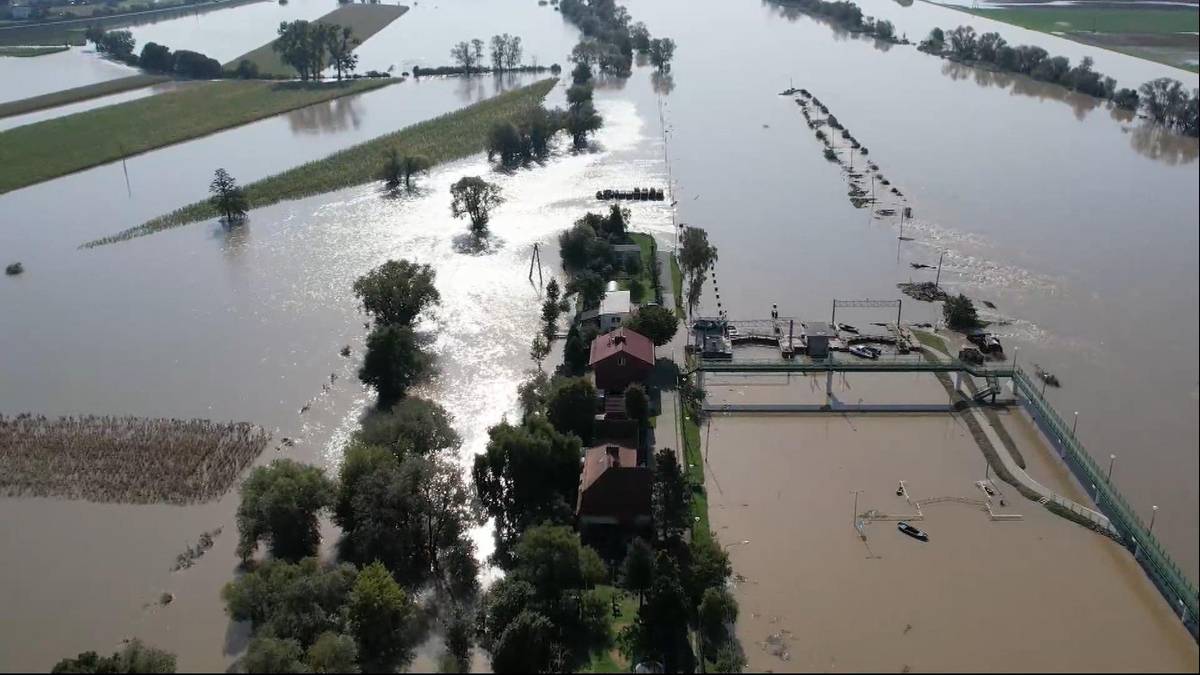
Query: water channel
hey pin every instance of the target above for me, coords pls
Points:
(1079, 226)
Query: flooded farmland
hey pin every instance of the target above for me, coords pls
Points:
(1079, 225)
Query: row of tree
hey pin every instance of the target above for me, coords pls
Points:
(311, 46)
(611, 39)
(505, 51)
(849, 16)
(1163, 100)
(155, 58)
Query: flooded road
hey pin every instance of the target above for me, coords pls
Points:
(1079, 226)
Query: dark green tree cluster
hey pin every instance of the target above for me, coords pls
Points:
(116, 44)
(524, 140)
(527, 475)
(134, 657)
(696, 257)
(311, 46)
(545, 615)
(1164, 100)
(309, 617)
(158, 58)
(679, 584)
(581, 118)
(394, 295)
(959, 312)
(474, 197)
(655, 322)
(468, 55)
(587, 254)
(610, 37)
(848, 16)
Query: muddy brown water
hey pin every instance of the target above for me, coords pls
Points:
(1079, 225)
(1039, 594)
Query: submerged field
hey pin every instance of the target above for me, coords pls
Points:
(55, 147)
(451, 136)
(31, 51)
(1166, 34)
(364, 20)
(76, 94)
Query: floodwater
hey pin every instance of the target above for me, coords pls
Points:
(1038, 594)
(1041, 200)
(71, 108)
(37, 75)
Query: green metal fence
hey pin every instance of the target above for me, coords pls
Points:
(1150, 554)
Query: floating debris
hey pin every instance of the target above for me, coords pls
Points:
(345, 351)
(926, 291)
(193, 553)
(1046, 376)
(14, 269)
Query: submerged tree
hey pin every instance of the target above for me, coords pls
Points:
(960, 313)
(662, 50)
(695, 258)
(341, 43)
(397, 291)
(134, 657)
(475, 198)
(227, 198)
(393, 363)
(281, 504)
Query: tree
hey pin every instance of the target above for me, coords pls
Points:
(512, 56)
(402, 168)
(118, 44)
(553, 561)
(655, 322)
(671, 498)
(397, 291)
(413, 516)
(581, 121)
(662, 50)
(637, 570)
(934, 43)
(590, 287)
(959, 312)
(394, 362)
(291, 601)
(157, 58)
(475, 198)
(197, 65)
(380, 613)
(134, 657)
(341, 43)
(581, 73)
(499, 48)
(1126, 98)
(294, 46)
(962, 42)
(660, 630)
(412, 165)
(227, 198)
(332, 653)
(413, 427)
(281, 503)
(464, 54)
(640, 36)
(539, 350)
(1165, 101)
(527, 475)
(718, 610)
(571, 406)
(525, 645)
(695, 258)
(989, 46)
(532, 393)
(271, 655)
(457, 640)
(885, 30)
(637, 404)
(707, 567)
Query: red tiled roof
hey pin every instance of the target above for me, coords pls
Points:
(622, 341)
(612, 485)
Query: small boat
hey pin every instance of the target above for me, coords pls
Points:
(863, 352)
(912, 531)
(732, 331)
(848, 328)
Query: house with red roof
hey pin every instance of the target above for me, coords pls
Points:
(620, 358)
(613, 489)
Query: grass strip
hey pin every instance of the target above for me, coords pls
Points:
(1059, 19)
(36, 152)
(76, 94)
(31, 51)
(448, 137)
(932, 340)
(364, 20)
(694, 470)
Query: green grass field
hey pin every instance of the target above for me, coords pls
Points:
(1165, 35)
(646, 243)
(89, 91)
(25, 52)
(56, 147)
(364, 20)
(611, 660)
(1101, 20)
(441, 139)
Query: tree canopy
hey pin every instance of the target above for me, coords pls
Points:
(291, 601)
(394, 362)
(281, 504)
(134, 657)
(571, 406)
(959, 312)
(475, 198)
(414, 426)
(655, 322)
(380, 613)
(397, 291)
(227, 198)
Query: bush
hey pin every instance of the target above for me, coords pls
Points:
(959, 313)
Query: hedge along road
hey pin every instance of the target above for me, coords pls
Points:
(364, 20)
(448, 137)
(56, 147)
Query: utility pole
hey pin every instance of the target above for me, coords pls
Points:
(854, 516)
(536, 256)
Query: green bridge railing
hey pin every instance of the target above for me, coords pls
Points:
(1149, 553)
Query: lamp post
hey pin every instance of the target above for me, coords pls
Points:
(1095, 495)
(1074, 424)
(854, 516)
(1112, 459)
(1153, 514)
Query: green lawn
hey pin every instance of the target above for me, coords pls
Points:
(932, 340)
(611, 661)
(31, 51)
(364, 20)
(89, 91)
(646, 243)
(56, 147)
(442, 139)
(694, 458)
(1099, 20)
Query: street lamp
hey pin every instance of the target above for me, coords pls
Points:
(1095, 494)
(1074, 424)
(854, 518)
(1153, 513)
(1112, 459)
